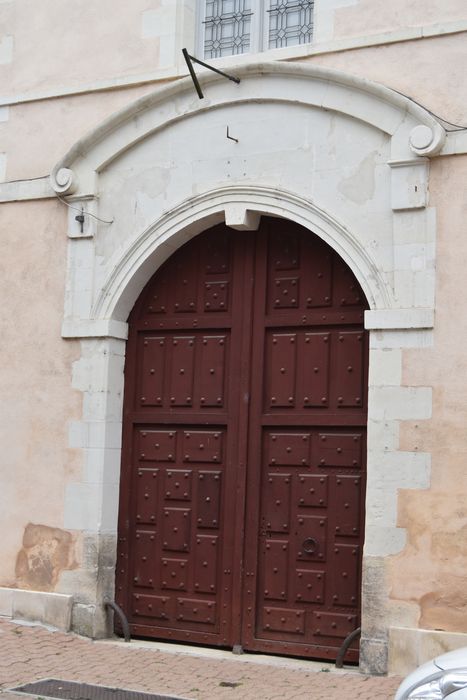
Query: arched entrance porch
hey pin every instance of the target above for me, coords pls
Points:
(345, 168)
(243, 464)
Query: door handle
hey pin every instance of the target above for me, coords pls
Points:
(310, 545)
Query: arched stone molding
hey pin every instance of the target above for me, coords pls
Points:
(416, 131)
(356, 139)
(130, 272)
(341, 156)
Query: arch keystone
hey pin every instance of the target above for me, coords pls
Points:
(238, 217)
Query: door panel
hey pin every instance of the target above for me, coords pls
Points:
(243, 469)
(176, 547)
(305, 507)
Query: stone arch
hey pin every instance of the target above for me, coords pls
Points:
(311, 85)
(352, 166)
(130, 272)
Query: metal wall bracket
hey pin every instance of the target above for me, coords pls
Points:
(80, 219)
(191, 59)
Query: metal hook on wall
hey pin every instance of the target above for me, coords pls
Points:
(230, 137)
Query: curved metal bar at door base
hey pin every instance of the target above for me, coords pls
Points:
(345, 645)
(122, 617)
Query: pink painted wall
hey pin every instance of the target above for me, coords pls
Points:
(37, 399)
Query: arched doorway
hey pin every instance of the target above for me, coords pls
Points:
(243, 468)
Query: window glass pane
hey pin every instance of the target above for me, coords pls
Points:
(227, 27)
(290, 22)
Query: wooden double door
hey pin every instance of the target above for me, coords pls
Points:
(243, 469)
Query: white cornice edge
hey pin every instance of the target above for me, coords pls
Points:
(21, 190)
(398, 319)
(62, 179)
(84, 328)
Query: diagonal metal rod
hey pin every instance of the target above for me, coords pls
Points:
(191, 59)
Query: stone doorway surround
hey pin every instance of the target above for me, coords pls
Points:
(343, 157)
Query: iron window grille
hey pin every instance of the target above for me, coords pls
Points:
(232, 27)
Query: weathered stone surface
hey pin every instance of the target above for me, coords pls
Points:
(46, 552)
(374, 598)
(373, 656)
(52, 609)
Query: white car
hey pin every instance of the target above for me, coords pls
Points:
(444, 677)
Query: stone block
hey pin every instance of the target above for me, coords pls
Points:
(410, 647)
(414, 256)
(373, 656)
(385, 540)
(90, 621)
(386, 367)
(29, 605)
(99, 551)
(383, 436)
(412, 338)
(109, 513)
(415, 226)
(6, 49)
(6, 602)
(409, 184)
(77, 434)
(3, 162)
(82, 619)
(52, 609)
(400, 403)
(374, 597)
(102, 620)
(238, 217)
(90, 551)
(58, 610)
(104, 434)
(82, 507)
(107, 551)
(102, 466)
(82, 583)
(393, 319)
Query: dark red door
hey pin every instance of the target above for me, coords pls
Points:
(241, 507)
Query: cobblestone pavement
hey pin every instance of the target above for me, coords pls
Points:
(28, 653)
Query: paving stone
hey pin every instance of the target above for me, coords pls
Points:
(30, 653)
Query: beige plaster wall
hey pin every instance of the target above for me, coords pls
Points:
(46, 129)
(431, 71)
(36, 399)
(434, 561)
(75, 42)
(369, 17)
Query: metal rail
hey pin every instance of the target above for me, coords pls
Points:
(345, 645)
(121, 615)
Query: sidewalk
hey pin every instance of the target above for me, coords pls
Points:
(28, 653)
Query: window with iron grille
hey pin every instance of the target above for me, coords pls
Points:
(232, 27)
